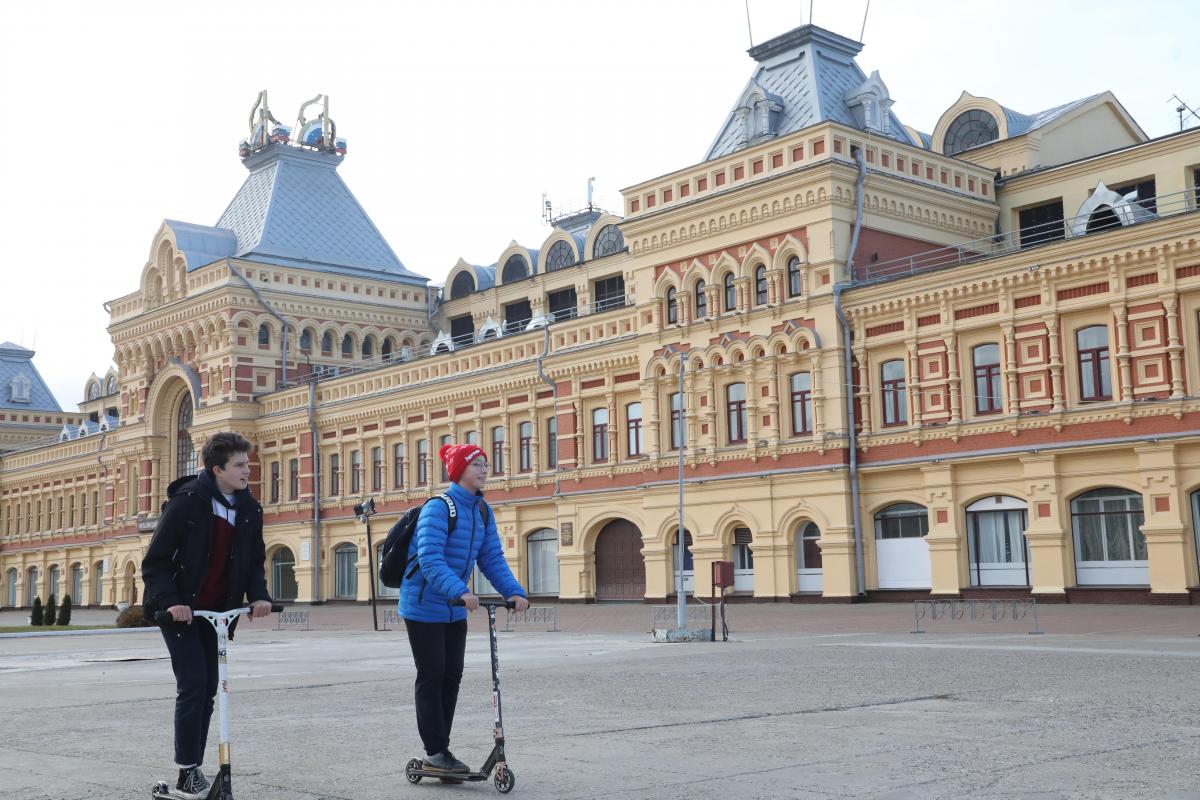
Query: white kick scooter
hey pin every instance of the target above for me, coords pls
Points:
(222, 788)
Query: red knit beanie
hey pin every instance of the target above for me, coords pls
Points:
(456, 457)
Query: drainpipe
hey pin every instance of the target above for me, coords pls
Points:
(557, 463)
(270, 310)
(316, 513)
(848, 354)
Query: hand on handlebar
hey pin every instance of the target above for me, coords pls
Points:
(470, 601)
(260, 608)
(517, 603)
(181, 613)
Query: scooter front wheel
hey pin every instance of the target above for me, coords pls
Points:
(505, 781)
(161, 789)
(410, 770)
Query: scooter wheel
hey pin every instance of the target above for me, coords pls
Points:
(410, 770)
(160, 790)
(505, 782)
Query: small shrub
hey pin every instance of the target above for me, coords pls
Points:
(64, 611)
(51, 611)
(132, 618)
(35, 618)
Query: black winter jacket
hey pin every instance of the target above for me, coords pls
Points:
(177, 560)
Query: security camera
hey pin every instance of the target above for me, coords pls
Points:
(365, 509)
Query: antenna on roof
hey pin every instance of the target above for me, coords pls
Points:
(1183, 107)
(547, 212)
(810, 5)
(590, 182)
(866, 11)
(749, 32)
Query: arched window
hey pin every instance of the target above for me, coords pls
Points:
(701, 301)
(327, 343)
(347, 346)
(386, 350)
(609, 241)
(687, 578)
(345, 559)
(808, 552)
(515, 268)
(730, 293)
(672, 307)
(559, 256)
(985, 359)
(902, 521)
(98, 583)
(55, 577)
(264, 335)
(760, 285)
(1095, 382)
(735, 410)
(283, 575)
(543, 562)
(368, 348)
(10, 588)
(463, 285)
(112, 384)
(970, 129)
(1110, 547)
(895, 403)
(31, 585)
(794, 277)
(599, 435)
(93, 392)
(306, 340)
(185, 450)
(75, 589)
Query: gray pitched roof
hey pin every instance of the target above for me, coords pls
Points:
(295, 210)
(17, 362)
(202, 244)
(808, 72)
(1019, 123)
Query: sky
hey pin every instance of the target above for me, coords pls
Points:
(460, 115)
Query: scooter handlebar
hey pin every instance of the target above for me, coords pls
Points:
(458, 601)
(165, 618)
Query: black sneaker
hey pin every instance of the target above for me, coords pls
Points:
(444, 762)
(192, 784)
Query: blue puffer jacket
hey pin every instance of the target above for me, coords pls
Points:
(446, 563)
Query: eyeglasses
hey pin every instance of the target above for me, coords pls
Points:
(480, 464)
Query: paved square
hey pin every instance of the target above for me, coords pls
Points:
(806, 702)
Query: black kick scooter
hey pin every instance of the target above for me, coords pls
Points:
(222, 788)
(505, 780)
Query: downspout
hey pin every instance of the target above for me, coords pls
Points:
(316, 512)
(848, 355)
(557, 463)
(270, 310)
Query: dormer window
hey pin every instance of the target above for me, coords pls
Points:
(871, 104)
(19, 389)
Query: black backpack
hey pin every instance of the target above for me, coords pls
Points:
(395, 565)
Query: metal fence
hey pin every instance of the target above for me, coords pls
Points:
(994, 610)
(292, 616)
(534, 615)
(698, 613)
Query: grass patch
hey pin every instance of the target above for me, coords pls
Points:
(39, 628)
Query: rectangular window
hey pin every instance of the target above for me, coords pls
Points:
(599, 435)
(1147, 194)
(83, 515)
(633, 429)
(801, 392)
(562, 304)
(552, 443)
(1042, 223)
(274, 481)
(398, 453)
(525, 451)
(516, 316)
(335, 475)
(445, 440)
(294, 479)
(609, 293)
(377, 469)
(676, 421)
(735, 408)
(895, 405)
(422, 462)
(96, 508)
(71, 512)
(1095, 382)
(355, 471)
(986, 362)
(498, 450)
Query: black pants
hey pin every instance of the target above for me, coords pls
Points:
(193, 651)
(437, 649)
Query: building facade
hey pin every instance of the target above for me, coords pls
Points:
(913, 364)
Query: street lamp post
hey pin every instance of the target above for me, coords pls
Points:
(682, 596)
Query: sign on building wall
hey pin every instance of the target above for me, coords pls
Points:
(568, 534)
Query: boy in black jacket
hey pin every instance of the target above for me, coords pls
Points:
(207, 553)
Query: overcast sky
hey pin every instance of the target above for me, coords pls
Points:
(459, 115)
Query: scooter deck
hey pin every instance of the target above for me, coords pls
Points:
(457, 776)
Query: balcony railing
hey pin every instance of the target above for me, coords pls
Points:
(1134, 212)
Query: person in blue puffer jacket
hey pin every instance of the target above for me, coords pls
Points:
(437, 631)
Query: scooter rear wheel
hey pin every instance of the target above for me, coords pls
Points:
(410, 770)
(506, 781)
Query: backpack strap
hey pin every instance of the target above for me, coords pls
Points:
(449, 501)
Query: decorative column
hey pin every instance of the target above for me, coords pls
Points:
(947, 561)
(1174, 345)
(1056, 365)
(1051, 569)
(953, 377)
(1169, 548)
(1011, 402)
(1121, 316)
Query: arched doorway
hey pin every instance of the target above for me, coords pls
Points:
(620, 567)
(283, 575)
(31, 585)
(1110, 548)
(128, 589)
(345, 572)
(742, 555)
(10, 588)
(98, 583)
(901, 552)
(996, 543)
(380, 589)
(809, 578)
(185, 450)
(543, 562)
(686, 576)
(76, 587)
(52, 588)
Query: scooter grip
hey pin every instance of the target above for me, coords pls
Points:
(276, 608)
(163, 617)
(456, 601)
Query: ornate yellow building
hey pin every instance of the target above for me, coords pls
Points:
(1016, 299)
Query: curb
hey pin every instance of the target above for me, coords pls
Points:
(93, 632)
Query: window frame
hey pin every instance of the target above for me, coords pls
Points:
(729, 287)
(762, 293)
(893, 395)
(633, 430)
(801, 399)
(1099, 359)
(993, 401)
(735, 411)
(525, 446)
(600, 452)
